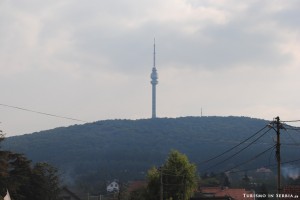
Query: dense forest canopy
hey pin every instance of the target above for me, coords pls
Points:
(125, 149)
(21, 180)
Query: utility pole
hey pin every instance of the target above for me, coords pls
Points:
(161, 184)
(278, 127)
(276, 122)
(184, 189)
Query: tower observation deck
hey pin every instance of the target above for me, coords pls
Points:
(154, 82)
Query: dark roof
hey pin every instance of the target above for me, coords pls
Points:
(66, 190)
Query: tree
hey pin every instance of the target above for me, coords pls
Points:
(153, 188)
(226, 182)
(177, 176)
(139, 194)
(3, 172)
(246, 181)
(18, 182)
(23, 181)
(263, 190)
(45, 182)
(3, 168)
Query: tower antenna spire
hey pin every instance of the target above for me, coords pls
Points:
(154, 53)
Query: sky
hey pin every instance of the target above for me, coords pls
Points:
(91, 60)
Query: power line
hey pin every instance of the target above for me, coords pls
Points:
(42, 113)
(206, 161)
(292, 120)
(291, 161)
(279, 126)
(292, 128)
(290, 144)
(293, 139)
(228, 158)
(253, 158)
(271, 155)
(267, 166)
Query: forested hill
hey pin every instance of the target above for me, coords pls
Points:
(126, 149)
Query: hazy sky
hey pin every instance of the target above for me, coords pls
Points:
(92, 60)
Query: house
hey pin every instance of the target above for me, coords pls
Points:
(226, 193)
(66, 194)
(113, 187)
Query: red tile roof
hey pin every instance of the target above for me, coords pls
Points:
(292, 190)
(237, 194)
(135, 185)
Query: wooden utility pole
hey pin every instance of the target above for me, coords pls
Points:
(161, 193)
(278, 127)
(161, 185)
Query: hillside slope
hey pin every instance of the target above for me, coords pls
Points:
(125, 149)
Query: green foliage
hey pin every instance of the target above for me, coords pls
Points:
(19, 180)
(45, 182)
(139, 194)
(3, 171)
(153, 188)
(178, 177)
(24, 182)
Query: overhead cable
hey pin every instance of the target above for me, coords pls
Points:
(291, 120)
(267, 166)
(43, 113)
(229, 157)
(215, 157)
(253, 158)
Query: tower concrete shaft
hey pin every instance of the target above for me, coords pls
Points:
(154, 82)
